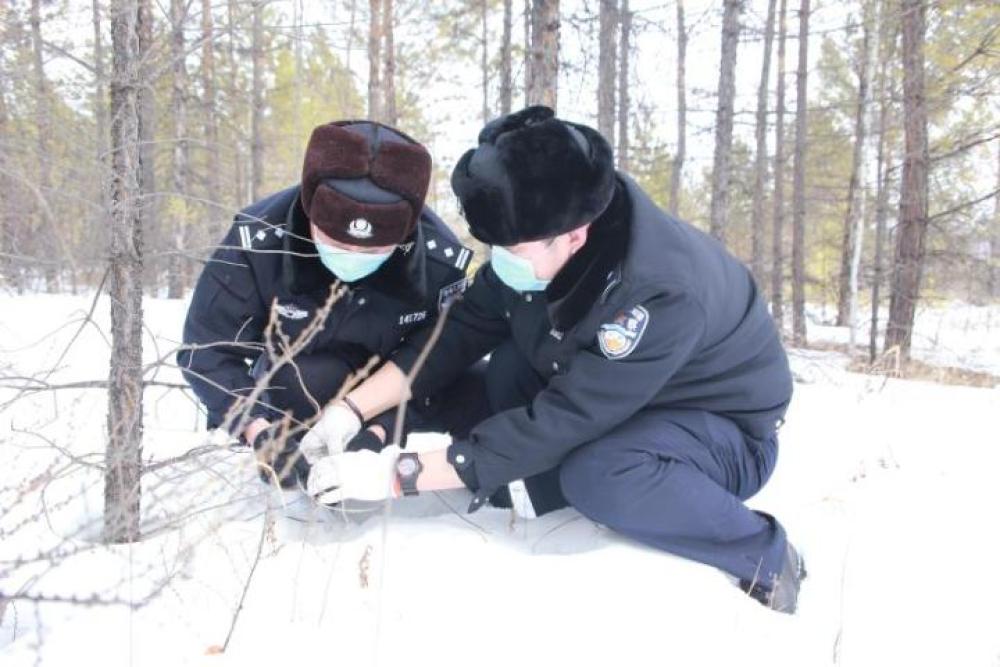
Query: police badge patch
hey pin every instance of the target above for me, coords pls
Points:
(451, 292)
(619, 337)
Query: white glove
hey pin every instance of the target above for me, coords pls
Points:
(362, 475)
(330, 434)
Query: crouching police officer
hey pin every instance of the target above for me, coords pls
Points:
(635, 371)
(358, 217)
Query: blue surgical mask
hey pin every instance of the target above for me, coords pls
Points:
(348, 265)
(516, 272)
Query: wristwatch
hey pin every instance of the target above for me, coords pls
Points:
(408, 468)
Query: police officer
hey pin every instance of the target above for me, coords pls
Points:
(635, 371)
(356, 221)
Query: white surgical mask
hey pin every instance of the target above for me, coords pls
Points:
(349, 265)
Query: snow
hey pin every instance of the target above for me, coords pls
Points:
(886, 486)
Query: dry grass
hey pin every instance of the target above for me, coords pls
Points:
(889, 364)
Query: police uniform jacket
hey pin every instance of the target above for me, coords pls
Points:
(266, 260)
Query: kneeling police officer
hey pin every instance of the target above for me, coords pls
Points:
(356, 220)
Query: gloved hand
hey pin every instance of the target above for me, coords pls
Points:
(331, 433)
(362, 475)
(278, 459)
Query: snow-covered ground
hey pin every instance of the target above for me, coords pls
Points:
(887, 487)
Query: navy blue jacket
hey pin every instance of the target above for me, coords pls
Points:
(650, 313)
(267, 258)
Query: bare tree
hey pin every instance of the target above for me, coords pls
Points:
(778, 224)
(44, 115)
(506, 85)
(484, 56)
(757, 260)
(994, 277)
(124, 449)
(239, 148)
(257, 112)
(677, 170)
(100, 79)
(799, 182)
(178, 111)
(623, 86)
(543, 65)
(606, 54)
(721, 161)
(882, 161)
(148, 206)
(213, 190)
(390, 115)
(861, 184)
(527, 49)
(8, 271)
(853, 219)
(912, 231)
(374, 60)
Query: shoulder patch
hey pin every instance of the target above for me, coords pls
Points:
(259, 234)
(451, 292)
(443, 250)
(619, 337)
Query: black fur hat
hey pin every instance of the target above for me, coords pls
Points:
(532, 177)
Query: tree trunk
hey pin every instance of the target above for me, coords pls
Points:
(623, 89)
(677, 170)
(350, 34)
(9, 272)
(506, 85)
(101, 97)
(484, 61)
(123, 457)
(757, 260)
(374, 60)
(799, 183)
(43, 118)
(606, 55)
(239, 137)
(994, 277)
(543, 67)
(527, 49)
(912, 230)
(149, 205)
(721, 161)
(178, 103)
(257, 113)
(882, 174)
(855, 268)
(102, 157)
(213, 189)
(778, 226)
(389, 72)
(855, 193)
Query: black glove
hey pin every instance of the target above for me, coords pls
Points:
(365, 439)
(282, 455)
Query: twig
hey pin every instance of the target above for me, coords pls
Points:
(246, 586)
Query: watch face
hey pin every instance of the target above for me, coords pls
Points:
(406, 467)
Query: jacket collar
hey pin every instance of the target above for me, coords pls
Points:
(403, 276)
(598, 264)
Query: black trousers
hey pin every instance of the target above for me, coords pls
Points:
(672, 479)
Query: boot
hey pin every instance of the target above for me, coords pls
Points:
(782, 592)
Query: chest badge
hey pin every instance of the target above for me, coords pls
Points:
(619, 337)
(360, 228)
(449, 293)
(291, 311)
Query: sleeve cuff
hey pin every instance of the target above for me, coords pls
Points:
(461, 458)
